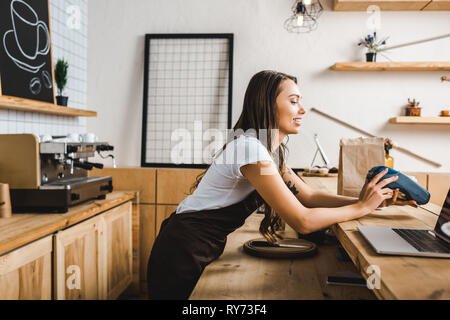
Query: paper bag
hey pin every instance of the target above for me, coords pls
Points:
(356, 157)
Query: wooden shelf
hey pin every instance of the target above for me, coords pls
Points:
(420, 120)
(391, 5)
(13, 103)
(391, 66)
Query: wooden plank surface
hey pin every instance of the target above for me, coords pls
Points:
(438, 185)
(391, 66)
(438, 5)
(238, 276)
(419, 120)
(132, 178)
(399, 274)
(20, 104)
(26, 273)
(384, 5)
(23, 228)
(173, 185)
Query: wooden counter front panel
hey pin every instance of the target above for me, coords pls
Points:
(26, 273)
(163, 212)
(79, 261)
(118, 241)
(138, 179)
(438, 185)
(147, 231)
(173, 185)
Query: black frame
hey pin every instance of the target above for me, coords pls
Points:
(148, 37)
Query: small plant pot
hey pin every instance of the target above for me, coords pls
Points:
(413, 111)
(371, 56)
(62, 101)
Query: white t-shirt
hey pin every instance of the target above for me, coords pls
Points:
(223, 184)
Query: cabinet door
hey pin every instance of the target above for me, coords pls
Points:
(26, 273)
(80, 261)
(119, 249)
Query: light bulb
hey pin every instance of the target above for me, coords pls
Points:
(300, 20)
(306, 2)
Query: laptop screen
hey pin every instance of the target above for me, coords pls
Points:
(443, 224)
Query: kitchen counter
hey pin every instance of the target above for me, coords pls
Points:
(238, 276)
(23, 228)
(402, 277)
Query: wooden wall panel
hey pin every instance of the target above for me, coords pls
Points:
(422, 178)
(163, 212)
(147, 231)
(136, 179)
(172, 185)
(438, 185)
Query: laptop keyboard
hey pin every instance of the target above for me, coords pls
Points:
(423, 241)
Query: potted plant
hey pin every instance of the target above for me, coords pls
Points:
(61, 81)
(373, 46)
(413, 109)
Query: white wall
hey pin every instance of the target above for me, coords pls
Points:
(70, 44)
(366, 100)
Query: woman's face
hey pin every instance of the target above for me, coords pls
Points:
(290, 110)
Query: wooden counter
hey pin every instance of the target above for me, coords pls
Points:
(23, 228)
(402, 277)
(236, 275)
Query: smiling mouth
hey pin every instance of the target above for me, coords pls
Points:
(297, 120)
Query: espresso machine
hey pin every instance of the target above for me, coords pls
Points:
(51, 175)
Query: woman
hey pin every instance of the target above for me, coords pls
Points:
(241, 178)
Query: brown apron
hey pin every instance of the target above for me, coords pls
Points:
(188, 242)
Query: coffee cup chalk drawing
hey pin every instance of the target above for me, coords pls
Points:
(26, 46)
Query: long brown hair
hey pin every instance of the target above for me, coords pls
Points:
(260, 112)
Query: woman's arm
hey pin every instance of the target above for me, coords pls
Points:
(310, 198)
(305, 220)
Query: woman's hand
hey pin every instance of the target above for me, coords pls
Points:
(373, 193)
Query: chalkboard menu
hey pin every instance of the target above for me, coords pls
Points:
(26, 68)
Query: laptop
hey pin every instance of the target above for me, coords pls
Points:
(413, 242)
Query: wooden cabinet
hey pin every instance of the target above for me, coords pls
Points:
(26, 273)
(93, 259)
(118, 242)
(79, 261)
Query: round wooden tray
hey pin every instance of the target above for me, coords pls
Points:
(261, 248)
